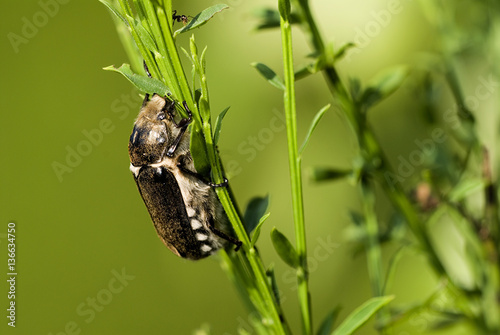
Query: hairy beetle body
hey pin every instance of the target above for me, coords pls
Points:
(185, 210)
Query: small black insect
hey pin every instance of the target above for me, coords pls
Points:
(184, 208)
(179, 18)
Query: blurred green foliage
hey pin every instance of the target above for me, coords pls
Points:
(88, 257)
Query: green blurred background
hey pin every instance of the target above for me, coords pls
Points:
(77, 229)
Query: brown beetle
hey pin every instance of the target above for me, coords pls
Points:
(184, 208)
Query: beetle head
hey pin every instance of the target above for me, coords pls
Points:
(153, 132)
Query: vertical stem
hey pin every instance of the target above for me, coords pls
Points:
(373, 248)
(394, 192)
(312, 33)
(269, 307)
(295, 166)
(374, 254)
(272, 308)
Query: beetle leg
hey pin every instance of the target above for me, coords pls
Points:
(170, 107)
(183, 124)
(146, 99)
(223, 184)
(225, 236)
(199, 177)
(173, 147)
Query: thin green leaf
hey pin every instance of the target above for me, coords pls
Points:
(143, 84)
(466, 188)
(330, 174)
(194, 50)
(270, 18)
(343, 49)
(383, 85)
(273, 283)
(201, 18)
(451, 320)
(130, 46)
(256, 232)
(204, 108)
(199, 152)
(145, 36)
(114, 11)
(314, 123)
(361, 315)
(318, 64)
(203, 59)
(140, 10)
(218, 125)
(305, 71)
(149, 14)
(357, 218)
(269, 75)
(284, 8)
(284, 248)
(357, 232)
(355, 88)
(197, 145)
(327, 324)
(391, 271)
(254, 211)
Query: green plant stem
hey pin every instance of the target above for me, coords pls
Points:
(165, 63)
(374, 253)
(142, 49)
(295, 167)
(312, 32)
(270, 304)
(367, 140)
(488, 320)
(245, 267)
(264, 300)
(369, 145)
(371, 149)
